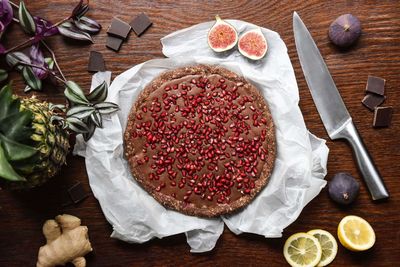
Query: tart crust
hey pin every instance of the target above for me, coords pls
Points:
(196, 204)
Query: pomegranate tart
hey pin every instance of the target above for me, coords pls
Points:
(201, 140)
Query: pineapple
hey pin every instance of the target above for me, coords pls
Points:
(32, 148)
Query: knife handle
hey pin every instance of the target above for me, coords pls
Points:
(366, 165)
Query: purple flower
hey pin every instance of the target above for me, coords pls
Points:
(6, 14)
(37, 58)
(44, 28)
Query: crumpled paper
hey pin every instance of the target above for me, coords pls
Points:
(299, 171)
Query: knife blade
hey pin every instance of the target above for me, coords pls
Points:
(331, 108)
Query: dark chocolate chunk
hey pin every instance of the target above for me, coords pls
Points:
(77, 193)
(96, 62)
(119, 28)
(383, 116)
(375, 85)
(140, 23)
(114, 43)
(371, 101)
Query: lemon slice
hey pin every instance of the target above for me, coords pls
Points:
(355, 233)
(302, 250)
(328, 245)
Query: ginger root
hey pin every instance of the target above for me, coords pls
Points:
(67, 241)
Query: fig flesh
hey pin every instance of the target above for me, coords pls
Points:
(343, 188)
(345, 30)
(253, 45)
(222, 36)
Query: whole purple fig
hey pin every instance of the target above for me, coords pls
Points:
(345, 30)
(343, 188)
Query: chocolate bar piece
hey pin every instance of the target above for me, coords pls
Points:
(77, 193)
(96, 62)
(114, 43)
(140, 23)
(375, 85)
(383, 116)
(371, 101)
(119, 28)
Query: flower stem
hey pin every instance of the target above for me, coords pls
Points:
(42, 68)
(53, 56)
(20, 46)
(14, 4)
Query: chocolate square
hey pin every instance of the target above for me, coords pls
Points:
(114, 43)
(96, 62)
(371, 101)
(119, 28)
(77, 193)
(375, 85)
(383, 117)
(140, 23)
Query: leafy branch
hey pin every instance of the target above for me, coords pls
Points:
(84, 112)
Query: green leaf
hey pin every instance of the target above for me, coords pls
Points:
(87, 25)
(75, 94)
(77, 125)
(14, 60)
(89, 134)
(16, 151)
(27, 89)
(95, 117)
(74, 33)
(5, 100)
(50, 62)
(6, 170)
(106, 107)
(15, 126)
(34, 82)
(60, 107)
(80, 112)
(56, 118)
(99, 94)
(26, 19)
(3, 75)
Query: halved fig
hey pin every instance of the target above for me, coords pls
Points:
(253, 45)
(222, 36)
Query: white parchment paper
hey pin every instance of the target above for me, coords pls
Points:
(298, 175)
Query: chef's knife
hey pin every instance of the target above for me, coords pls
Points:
(330, 106)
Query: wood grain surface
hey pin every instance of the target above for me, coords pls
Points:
(377, 53)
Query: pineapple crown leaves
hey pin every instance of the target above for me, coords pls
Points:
(15, 130)
(86, 111)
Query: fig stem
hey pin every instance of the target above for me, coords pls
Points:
(346, 27)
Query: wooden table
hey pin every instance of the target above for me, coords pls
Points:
(377, 53)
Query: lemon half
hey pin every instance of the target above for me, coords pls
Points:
(328, 245)
(355, 233)
(302, 250)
